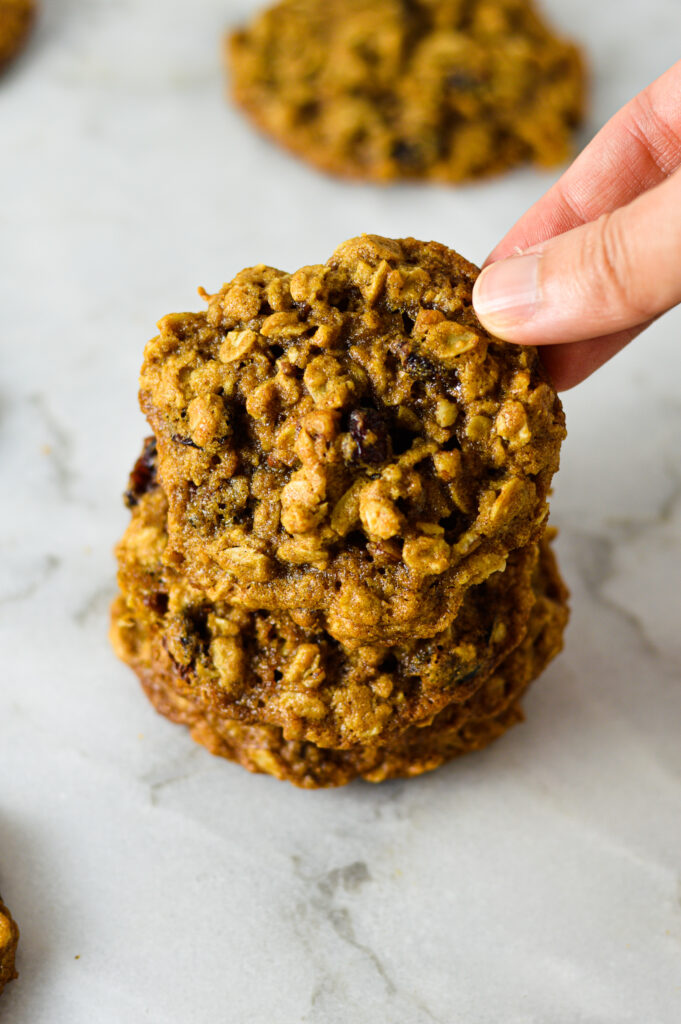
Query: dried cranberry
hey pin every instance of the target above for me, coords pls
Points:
(369, 431)
(408, 154)
(462, 80)
(143, 476)
(187, 441)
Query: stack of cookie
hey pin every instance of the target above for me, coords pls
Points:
(338, 564)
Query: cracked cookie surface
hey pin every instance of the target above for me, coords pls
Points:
(347, 443)
(16, 21)
(458, 729)
(9, 938)
(264, 667)
(389, 89)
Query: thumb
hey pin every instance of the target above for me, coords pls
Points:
(605, 277)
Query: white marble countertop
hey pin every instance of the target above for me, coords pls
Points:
(535, 883)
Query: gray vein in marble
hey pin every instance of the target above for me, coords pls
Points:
(155, 788)
(597, 562)
(325, 893)
(48, 565)
(95, 604)
(58, 448)
(607, 841)
(191, 762)
(596, 567)
(389, 804)
(351, 877)
(630, 528)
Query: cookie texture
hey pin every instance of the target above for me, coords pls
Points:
(9, 938)
(490, 707)
(263, 667)
(337, 564)
(388, 89)
(16, 21)
(347, 443)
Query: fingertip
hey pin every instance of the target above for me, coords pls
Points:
(501, 252)
(506, 294)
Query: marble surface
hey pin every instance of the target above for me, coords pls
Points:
(535, 883)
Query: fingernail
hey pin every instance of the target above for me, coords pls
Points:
(507, 292)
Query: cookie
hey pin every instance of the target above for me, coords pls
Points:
(16, 21)
(387, 89)
(347, 443)
(265, 668)
(458, 729)
(9, 938)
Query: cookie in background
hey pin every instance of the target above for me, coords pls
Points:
(437, 89)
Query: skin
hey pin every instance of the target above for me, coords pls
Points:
(596, 260)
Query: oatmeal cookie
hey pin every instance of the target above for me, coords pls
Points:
(347, 443)
(264, 667)
(16, 20)
(9, 937)
(389, 89)
(458, 729)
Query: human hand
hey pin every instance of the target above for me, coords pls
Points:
(598, 258)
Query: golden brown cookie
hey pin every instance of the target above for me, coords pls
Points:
(16, 21)
(458, 729)
(347, 443)
(9, 937)
(386, 89)
(264, 668)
